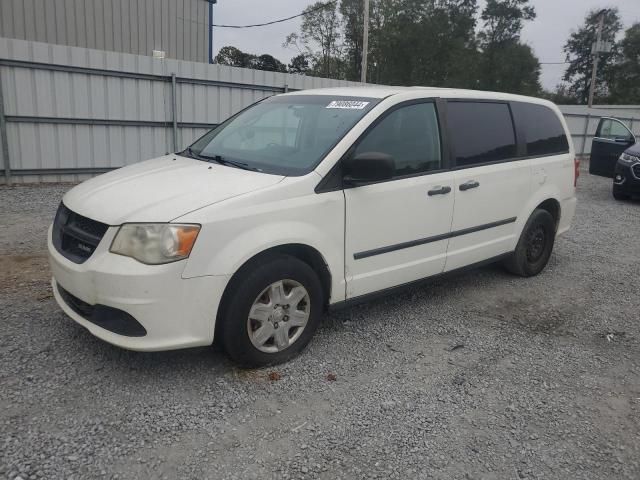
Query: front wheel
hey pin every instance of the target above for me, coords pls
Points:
(535, 245)
(273, 311)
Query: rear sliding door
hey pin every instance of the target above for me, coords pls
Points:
(492, 181)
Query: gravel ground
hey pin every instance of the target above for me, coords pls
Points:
(479, 376)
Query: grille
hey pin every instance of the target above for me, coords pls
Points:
(109, 318)
(74, 236)
(636, 170)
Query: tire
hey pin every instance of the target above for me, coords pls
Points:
(535, 245)
(266, 290)
(620, 196)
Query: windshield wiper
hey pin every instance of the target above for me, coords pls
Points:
(229, 163)
(222, 161)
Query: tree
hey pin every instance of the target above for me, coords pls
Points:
(413, 42)
(320, 36)
(625, 81)
(578, 54)
(560, 95)
(299, 64)
(507, 65)
(269, 63)
(504, 20)
(234, 57)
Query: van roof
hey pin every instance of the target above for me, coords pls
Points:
(373, 91)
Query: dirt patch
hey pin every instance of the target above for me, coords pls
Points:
(30, 273)
(535, 316)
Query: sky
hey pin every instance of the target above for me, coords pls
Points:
(546, 34)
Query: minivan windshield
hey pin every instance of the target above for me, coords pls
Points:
(284, 135)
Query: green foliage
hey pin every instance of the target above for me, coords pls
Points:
(560, 95)
(625, 79)
(423, 42)
(235, 57)
(320, 39)
(503, 20)
(506, 64)
(578, 54)
(299, 64)
(269, 63)
(510, 67)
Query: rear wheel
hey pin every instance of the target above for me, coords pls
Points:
(535, 245)
(273, 312)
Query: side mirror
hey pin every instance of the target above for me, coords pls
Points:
(368, 167)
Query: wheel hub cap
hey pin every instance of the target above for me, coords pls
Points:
(278, 316)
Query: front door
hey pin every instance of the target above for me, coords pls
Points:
(396, 230)
(612, 138)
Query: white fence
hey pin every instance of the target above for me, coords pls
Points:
(67, 113)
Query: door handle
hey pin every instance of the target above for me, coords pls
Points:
(439, 191)
(469, 185)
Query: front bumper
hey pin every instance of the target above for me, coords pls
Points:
(626, 179)
(174, 312)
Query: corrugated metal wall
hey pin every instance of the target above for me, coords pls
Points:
(75, 108)
(179, 27)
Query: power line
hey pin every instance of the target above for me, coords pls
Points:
(328, 4)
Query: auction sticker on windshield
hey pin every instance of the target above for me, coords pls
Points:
(348, 104)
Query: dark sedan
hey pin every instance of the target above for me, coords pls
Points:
(616, 154)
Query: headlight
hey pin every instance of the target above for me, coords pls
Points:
(629, 159)
(155, 243)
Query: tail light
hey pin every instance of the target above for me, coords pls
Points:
(576, 171)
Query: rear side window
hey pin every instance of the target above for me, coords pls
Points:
(481, 132)
(541, 128)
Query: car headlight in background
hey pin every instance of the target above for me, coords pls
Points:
(155, 243)
(629, 159)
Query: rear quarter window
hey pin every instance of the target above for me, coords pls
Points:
(541, 128)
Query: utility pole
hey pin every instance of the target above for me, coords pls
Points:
(596, 57)
(365, 43)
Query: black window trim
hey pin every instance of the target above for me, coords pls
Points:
(332, 181)
(521, 145)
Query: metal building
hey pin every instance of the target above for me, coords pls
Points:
(177, 27)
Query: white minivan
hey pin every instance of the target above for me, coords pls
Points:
(309, 201)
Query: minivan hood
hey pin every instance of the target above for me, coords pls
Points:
(161, 189)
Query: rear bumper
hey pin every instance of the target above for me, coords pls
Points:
(172, 312)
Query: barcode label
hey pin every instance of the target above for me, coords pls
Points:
(348, 104)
